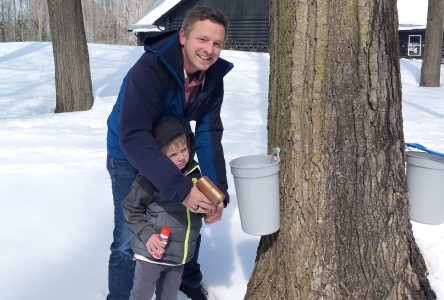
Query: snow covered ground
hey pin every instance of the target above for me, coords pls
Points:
(56, 204)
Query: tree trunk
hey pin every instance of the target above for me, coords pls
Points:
(3, 21)
(40, 20)
(431, 65)
(335, 111)
(72, 74)
(14, 13)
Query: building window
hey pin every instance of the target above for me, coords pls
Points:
(414, 45)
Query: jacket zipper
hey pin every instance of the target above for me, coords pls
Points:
(187, 235)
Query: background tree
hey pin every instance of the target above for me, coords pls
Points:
(71, 59)
(106, 21)
(2, 20)
(335, 111)
(431, 64)
(14, 14)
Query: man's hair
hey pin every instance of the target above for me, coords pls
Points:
(202, 13)
(178, 141)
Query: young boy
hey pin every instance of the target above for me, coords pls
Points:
(146, 212)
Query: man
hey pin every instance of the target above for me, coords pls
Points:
(179, 74)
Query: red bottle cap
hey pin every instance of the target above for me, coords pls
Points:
(165, 231)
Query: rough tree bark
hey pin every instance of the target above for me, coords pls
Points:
(2, 21)
(72, 73)
(335, 111)
(431, 65)
(40, 11)
(14, 27)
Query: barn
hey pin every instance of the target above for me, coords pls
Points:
(249, 25)
(247, 21)
(411, 41)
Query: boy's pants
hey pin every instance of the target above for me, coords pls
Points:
(121, 264)
(149, 277)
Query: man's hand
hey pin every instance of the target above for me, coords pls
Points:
(198, 203)
(213, 218)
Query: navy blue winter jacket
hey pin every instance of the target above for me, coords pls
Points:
(154, 87)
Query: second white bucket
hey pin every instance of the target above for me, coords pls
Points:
(256, 180)
(425, 178)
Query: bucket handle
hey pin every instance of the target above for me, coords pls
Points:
(422, 148)
(275, 152)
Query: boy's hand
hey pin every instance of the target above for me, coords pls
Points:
(213, 218)
(155, 245)
(198, 203)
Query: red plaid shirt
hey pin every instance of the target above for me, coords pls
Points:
(192, 87)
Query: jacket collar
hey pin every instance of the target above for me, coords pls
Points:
(166, 46)
(191, 167)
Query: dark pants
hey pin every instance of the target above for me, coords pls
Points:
(121, 264)
(192, 276)
(149, 277)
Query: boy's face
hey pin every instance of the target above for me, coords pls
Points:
(179, 154)
(201, 48)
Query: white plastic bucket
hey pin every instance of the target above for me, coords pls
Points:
(256, 180)
(425, 180)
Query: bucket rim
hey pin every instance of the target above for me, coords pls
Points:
(232, 162)
(425, 155)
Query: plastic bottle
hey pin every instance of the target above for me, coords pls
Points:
(163, 237)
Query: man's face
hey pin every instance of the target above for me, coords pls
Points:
(202, 47)
(179, 154)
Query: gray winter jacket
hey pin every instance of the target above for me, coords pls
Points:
(146, 212)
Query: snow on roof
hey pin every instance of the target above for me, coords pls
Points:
(410, 13)
(156, 11)
(410, 27)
